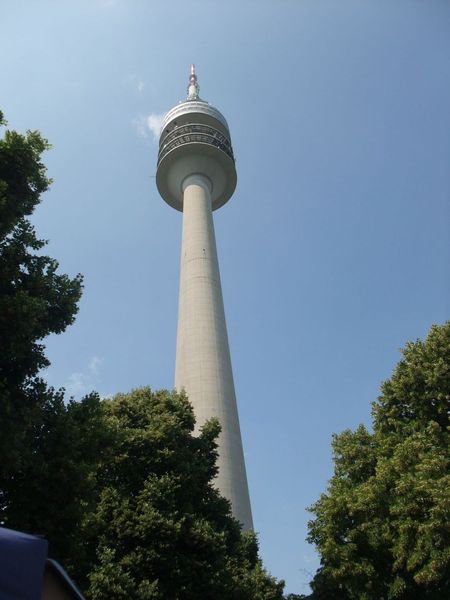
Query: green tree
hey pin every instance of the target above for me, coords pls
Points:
(382, 529)
(161, 528)
(47, 448)
(56, 485)
(34, 299)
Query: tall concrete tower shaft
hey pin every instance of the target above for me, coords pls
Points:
(196, 174)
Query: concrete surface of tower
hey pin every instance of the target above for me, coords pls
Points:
(196, 174)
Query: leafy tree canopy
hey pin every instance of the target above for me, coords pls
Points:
(382, 529)
(34, 299)
(160, 527)
(47, 448)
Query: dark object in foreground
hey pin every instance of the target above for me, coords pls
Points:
(27, 573)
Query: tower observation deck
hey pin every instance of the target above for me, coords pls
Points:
(196, 174)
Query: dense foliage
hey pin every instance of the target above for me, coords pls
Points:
(383, 529)
(34, 301)
(161, 529)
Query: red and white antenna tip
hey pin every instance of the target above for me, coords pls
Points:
(193, 75)
(193, 87)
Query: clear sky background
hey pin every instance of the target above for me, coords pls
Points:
(334, 250)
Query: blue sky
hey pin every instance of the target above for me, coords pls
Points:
(334, 250)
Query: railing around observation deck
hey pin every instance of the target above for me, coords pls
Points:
(191, 134)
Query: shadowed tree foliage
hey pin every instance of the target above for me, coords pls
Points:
(383, 529)
(47, 449)
(34, 299)
(56, 485)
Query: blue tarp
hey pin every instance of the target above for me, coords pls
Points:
(22, 561)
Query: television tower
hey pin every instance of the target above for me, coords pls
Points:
(196, 175)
